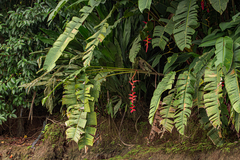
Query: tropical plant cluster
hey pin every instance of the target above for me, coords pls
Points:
(184, 53)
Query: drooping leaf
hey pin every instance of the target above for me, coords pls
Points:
(185, 19)
(210, 40)
(183, 100)
(156, 61)
(213, 133)
(213, 90)
(170, 62)
(235, 120)
(164, 85)
(63, 40)
(80, 110)
(57, 9)
(232, 87)
(219, 5)
(203, 60)
(99, 36)
(167, 112)
(136, 46)
(224, 52)
(232, 23)
(144, 4)
(161, 40)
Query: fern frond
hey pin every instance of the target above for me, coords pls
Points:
(213, 90)
(185, 19)
(183, 100)
(164, 85)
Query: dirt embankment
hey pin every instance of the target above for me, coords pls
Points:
(112, 142)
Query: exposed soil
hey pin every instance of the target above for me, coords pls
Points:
(114, 142)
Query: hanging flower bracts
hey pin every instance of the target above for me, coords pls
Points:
(132, 96)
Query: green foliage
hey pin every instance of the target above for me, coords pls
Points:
(219, 5)
(224, 52)
(80, 110)
(164, 85)
(159, 32)
(144, 4)
(185, 20)
(212, 92)
(19, 37)
(98, 39)
(183, 100)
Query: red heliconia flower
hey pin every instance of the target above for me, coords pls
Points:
(132, 96)
(202, 4)
(207, 10)
(147, 40)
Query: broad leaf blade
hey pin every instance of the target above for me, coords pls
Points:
(213, 90)
(164, 85)
(224, 52)
(219, 5)
(144, 4)
(183, 100)
(232, 87)
(185, 18)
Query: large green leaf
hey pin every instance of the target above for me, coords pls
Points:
(63, 40)
(164, 85)
(232, 23)
(235, 119)
(210, 40)
(213, 90)
(136, 46)
(224, 52)
(80, 111)
(99, 36)
(203, 60)
(167, 112)
(144, 4)
(232, 87)
(185, 19)
(219, 5)
(57, 9)
(183, 100)
(159, 31)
